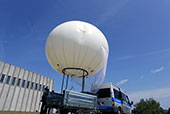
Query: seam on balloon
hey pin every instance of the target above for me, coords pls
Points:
(95, 66)
(79, 52)
(85, 54)
(99, 63)
(74, 53)
(84, 57)
(64, 52)
(91, 62)
(55, 54)
(104, 66)
(50, 59)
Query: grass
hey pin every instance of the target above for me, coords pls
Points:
(15, 112)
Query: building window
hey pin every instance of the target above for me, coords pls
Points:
(43, 87)
(28, 83)
(8, 79)
(19, 81)
(32, 85)
(2, 78)
(13, 81)
(39, 87)
(36, 86)
(23, 83)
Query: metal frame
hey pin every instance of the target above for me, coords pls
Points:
(85, 73)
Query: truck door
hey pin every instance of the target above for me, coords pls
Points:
(104, 99)
(129, 105)
(125, 104)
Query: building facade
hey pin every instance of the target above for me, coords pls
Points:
(20, 89)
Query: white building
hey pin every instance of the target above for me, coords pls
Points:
(20, 89)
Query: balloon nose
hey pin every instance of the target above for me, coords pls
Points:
(82, 30)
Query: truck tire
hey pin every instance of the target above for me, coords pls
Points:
(107, 112)
(119, 111)
(93, 112)
(80, 112)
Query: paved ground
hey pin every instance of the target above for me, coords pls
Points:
(10, 112)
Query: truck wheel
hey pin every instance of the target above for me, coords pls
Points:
(119, 111)
(107, 112)
(79, 112)
(94, 112)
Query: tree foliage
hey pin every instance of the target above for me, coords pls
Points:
(148, 106)
(168, 111)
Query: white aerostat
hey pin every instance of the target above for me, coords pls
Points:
(77, 49)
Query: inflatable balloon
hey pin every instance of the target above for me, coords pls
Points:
(76, 45)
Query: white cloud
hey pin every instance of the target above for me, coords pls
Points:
(112, 10)
(123, 58)
(122, 82)
(142, 55)
(160, 94)
(157, 70)
(155, 52)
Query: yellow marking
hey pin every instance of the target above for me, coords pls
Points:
(84, 31)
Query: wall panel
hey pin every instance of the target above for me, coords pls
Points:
(13, 96)
(4, 92)
(10, 89)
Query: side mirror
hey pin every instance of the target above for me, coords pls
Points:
(131, 103)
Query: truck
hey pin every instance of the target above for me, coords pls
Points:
(112, 99)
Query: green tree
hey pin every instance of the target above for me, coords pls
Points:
(148, 106)
(168, 111)
(162, 110)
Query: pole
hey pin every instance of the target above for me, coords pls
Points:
(83, 81)
(67, 82)
(62, 83)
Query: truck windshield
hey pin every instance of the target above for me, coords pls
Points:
(103, 93)
(128, 99)
(124, 97)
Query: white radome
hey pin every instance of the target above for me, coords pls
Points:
(76, 44)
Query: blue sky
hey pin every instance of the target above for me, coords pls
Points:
(138, 33)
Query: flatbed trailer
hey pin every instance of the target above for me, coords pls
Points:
(69, 101)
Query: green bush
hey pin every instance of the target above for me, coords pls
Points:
(148, 106)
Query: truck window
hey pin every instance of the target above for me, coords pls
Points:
(104, 93)
(116, 94)
(124, 97)
(128, 99)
